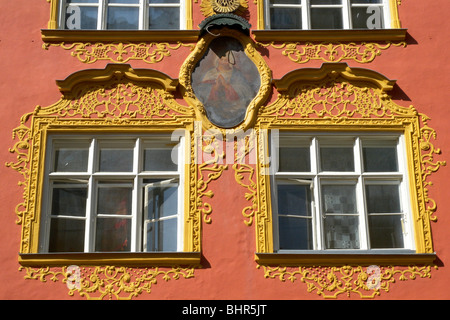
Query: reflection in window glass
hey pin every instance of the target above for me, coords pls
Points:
(164, 18)
(123, 18)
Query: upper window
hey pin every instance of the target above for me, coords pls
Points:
(327, 14)
(112, 193)
(335, 192)
(121, 14)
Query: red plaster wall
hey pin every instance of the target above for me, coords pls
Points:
(28, 74)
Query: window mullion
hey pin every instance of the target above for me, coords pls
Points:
(346, 15)
(102, 15)
(90, 204)
(306, 18)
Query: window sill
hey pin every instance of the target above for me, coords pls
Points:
(56, 35)
(395, 35)
(139, 259)
(334, 259)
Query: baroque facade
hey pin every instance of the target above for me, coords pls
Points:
(224, 149)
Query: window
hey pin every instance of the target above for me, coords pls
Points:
(121, 14)
(112, 193)
(327, 14)
(340, 192)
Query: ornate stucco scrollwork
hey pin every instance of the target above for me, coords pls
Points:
(116, 99)
(119, 52)
(338, 98)
(302, 53)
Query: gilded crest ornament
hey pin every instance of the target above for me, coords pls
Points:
(212, 7)
(225, 6)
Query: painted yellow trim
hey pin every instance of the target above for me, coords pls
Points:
(395, 35)
(79, 111)
(53, 22)
(298, 108)
(111, 259)
(395, 18)
(57, 36)
(324, 259)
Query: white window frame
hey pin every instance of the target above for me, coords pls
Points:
(92, 177)
(103, 5)
(346, 7)
(360, 179)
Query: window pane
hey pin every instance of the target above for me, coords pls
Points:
(285, 1)
(164, 18)
(294, 200)
(339, 198)
(71, 160)
(337, 159)
(81, 17)
(367, 17)
(82, 1)
(341, 232)
(69, 201)
(295, 233)
(164, 1)
(313, 2)
(66, 235)
(124, 1)
(162, 201)
(123, 18)
(113, 234)
(380, 159)
(385, 231)
(114, 200)
(294, 159)
(162, 235)
(383, 199)
(159, 159)
(285, 18)
(365, 1)
(326, 18)
(116, 160)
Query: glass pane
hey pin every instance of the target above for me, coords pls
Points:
(294, 159)
(69, 201)
(162, 201)
(285, 18)
(294, 200)
(113, 234)
(341, 232)
(157, 159)
(81, 17)
(380, 159)
(116, 160)
(124, 1)
(162, 235)
(164, 18)
(123, 18)
(164, 1)
(383, 198)
(326, 18)
(337, 159)
(82, 1)
(114, 200)
(365, 1)
(66, 235)
(313, 2)
(339, 198)
(285, 1)
(295, 233)
(71, 160)
(367, 17)
(386, 232)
